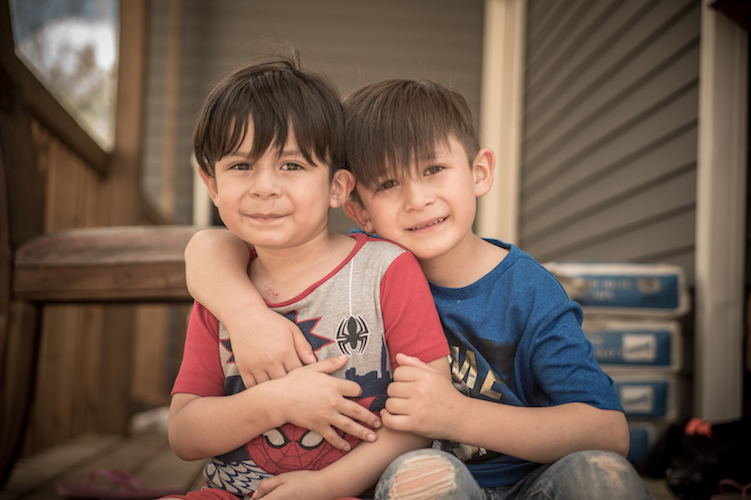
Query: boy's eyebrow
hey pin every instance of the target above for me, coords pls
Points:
(437, 153)
(246, 154)
(436, 156)
(291, 152)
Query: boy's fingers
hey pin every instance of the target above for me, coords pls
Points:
(265, 487)
(406, 374)
(303, 348)
(330, 365)
(394, 406)
(405, 360)
(349, 426)
(288, 364)
(361, 414)
(330, 435)
(336, 440)
(394, 422)
(349, 388)
(397, 390)
(265, 375)
(249, 380)
(292, 364)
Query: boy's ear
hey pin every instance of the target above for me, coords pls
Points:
(483, 169)
(210, 183)
(341, 185)
(357, 213)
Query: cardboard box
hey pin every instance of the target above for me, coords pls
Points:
(636, 345)
(651, 396)
(624, 289)
(642, 436)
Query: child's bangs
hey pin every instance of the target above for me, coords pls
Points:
(272, 123)
(394, 142)
(391, 124)
(407, 144)
(271, 102)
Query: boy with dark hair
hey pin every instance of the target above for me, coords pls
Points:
(269, 145)
(534, 415)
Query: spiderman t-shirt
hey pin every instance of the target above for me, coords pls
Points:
(373, 305)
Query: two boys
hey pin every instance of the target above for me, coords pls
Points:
(269, 142)
(534, 414)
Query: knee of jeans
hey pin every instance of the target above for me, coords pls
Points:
(602, 472)
(419, 475)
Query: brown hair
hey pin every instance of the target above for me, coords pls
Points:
(276, 95)
(391, 123)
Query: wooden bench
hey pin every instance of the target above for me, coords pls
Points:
(147, 456)
(107, 264)
(94, 265)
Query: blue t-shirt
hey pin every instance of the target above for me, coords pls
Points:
(516, 338)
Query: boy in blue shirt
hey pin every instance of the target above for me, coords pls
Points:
(534, 414)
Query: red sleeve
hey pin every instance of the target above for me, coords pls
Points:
(409, 314)
(200, 371)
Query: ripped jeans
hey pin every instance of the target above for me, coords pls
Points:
(584, 475)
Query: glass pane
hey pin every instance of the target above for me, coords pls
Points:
(72, 47)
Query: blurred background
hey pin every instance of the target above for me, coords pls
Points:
(620, 130)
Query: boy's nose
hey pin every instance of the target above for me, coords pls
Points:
(265, 184)
(417, 195)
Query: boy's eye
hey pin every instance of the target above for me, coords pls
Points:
(292, 166)
(433, 169)
(383, 186)
(240, 166)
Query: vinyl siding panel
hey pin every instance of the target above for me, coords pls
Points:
(609, 141)
(353, 42)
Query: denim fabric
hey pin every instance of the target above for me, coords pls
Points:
(584, 475)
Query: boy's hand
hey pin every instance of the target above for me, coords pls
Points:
(318, 401)
(299, 484)
(273, 347)
(421, 400)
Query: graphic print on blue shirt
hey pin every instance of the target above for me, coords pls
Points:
(473, 372)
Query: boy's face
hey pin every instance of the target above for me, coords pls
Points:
(431, 212)
(281, 200)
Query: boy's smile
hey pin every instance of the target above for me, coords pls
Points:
(428, 224)
(266, 217)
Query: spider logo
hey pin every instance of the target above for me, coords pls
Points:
(352, 335)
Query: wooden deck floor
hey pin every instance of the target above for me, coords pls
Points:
(147, 456)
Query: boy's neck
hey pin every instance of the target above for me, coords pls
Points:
(464, 264)
(282, 274)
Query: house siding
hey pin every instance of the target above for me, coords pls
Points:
(608, 168)
(353, 42)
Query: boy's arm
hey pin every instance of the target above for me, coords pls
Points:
(306, 397)
(355, 472)
(422, 401)
(216, 265)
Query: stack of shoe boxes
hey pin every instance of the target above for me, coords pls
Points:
(631, 316)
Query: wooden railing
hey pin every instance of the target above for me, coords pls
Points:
(107, 264)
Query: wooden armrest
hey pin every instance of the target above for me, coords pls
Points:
(106, 264)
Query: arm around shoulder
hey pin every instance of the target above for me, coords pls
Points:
(216, 265)
(216, 259)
